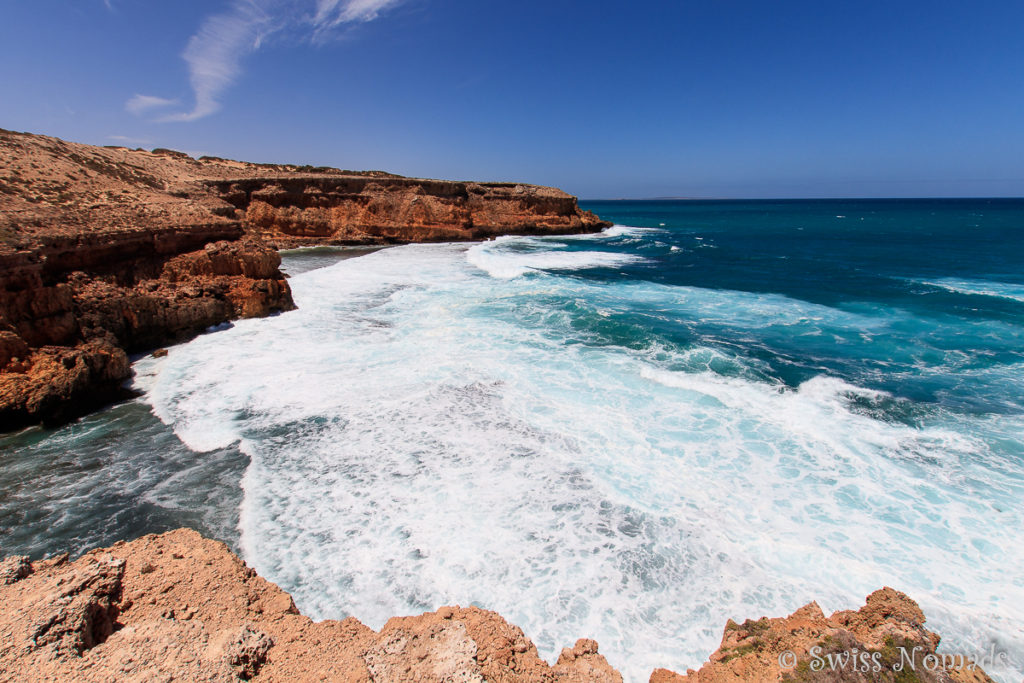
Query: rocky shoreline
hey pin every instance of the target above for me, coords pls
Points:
(178, 606)
(107, 251)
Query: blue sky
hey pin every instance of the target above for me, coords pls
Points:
(707, 98)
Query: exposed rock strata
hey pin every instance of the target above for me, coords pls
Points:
(108, 251)
(180, 607)
(71, 309)
(290, 211)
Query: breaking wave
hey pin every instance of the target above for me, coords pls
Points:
(432, 428)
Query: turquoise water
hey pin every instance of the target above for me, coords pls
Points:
(923, 299)
(713, 410)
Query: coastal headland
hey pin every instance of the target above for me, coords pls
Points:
(178, 606)
(108, 251)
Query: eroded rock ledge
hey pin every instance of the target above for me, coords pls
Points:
(106, 251)
(303, 210)
(178, 606)
(72, 308)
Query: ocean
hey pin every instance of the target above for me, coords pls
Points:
(713, 410)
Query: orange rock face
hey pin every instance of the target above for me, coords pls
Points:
(180, 607)
(177, 606)
(330, 209)
(109, 251)
(69, 315)
(883, 641)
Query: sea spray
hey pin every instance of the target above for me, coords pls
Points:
(630, 436)
(426, 431)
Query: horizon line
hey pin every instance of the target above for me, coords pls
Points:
(793, 199)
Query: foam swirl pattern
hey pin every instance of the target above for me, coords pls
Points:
(543, 427)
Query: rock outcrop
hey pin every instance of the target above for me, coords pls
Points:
(71, 308)
(110, 251)
(883, 641)
(177, 606)
(302, 210)
(180, 607)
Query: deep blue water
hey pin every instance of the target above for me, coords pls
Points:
(944, 279)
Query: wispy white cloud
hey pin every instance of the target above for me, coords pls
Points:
(109, 4)
(215, 53)
(333, 13)
(140, 104)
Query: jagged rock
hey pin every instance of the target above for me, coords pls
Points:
(583, 661)
(183, 607)
(62, 609)
(244, 650)
(56, 383)
(177, 606)
(105, 251)
(853, 645)
(14, 569)
(440, 652)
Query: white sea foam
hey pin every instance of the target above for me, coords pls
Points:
(146, 372)
(1002, 290)
(507, 258)
(613, 232)
(422, 434)
(628, 231)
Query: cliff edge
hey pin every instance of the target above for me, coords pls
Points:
(106, 251)
(177, 606)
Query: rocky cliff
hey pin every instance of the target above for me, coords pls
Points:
(71, 307)
(181, 607)
(109, 251)
(300, 210)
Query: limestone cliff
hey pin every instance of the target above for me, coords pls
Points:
(70, 309)
(178, 606)
(109, 251)
(299, 210)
